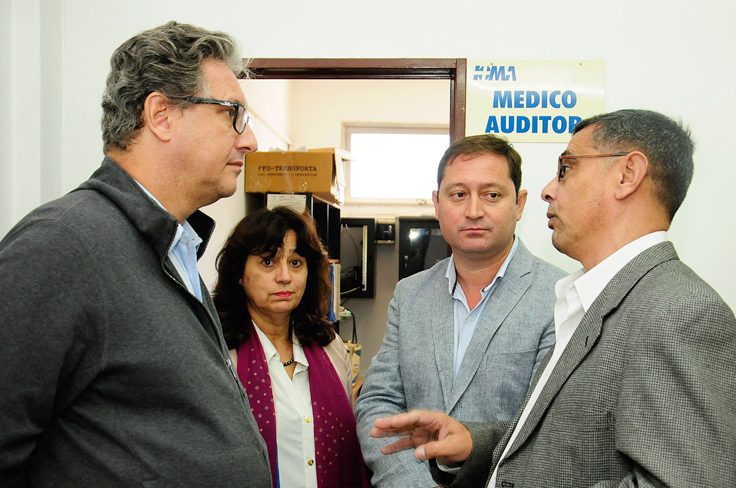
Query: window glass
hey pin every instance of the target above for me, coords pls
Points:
(396, 164)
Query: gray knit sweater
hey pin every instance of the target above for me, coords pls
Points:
(111, 372)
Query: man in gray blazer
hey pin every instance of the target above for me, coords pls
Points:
(465, 336)
(639, 389)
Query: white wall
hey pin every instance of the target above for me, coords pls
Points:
(6, 150)
(673, 56)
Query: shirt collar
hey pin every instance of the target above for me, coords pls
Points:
(299, 356)
(269, 351)
(590, 284)
(451, 273)
(182, 230)
(187, 233)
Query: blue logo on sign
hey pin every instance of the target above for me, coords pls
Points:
(494, 73)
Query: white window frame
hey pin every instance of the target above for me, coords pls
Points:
(350, 128)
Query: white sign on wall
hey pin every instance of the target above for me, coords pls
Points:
(532, 101)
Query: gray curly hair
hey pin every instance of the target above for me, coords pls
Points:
(165, 59)
(667, 144)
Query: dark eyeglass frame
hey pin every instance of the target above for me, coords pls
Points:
(245, 118)
(562, 169)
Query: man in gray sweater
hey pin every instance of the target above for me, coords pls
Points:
(114, 368)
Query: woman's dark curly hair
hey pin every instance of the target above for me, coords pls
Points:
(262, 232)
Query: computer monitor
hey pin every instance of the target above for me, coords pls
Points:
(421, 245)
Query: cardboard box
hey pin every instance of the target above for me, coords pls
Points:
(317, 171)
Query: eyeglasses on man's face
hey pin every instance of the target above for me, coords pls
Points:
(562, 160)
(240, 114)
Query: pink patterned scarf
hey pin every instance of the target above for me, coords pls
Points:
(337, 452)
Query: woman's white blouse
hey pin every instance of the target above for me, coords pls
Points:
(294, 424)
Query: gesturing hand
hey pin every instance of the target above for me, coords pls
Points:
(431, 434)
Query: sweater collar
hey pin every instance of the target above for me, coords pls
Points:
(156, 225)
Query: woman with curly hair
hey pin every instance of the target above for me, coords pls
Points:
(272, 297)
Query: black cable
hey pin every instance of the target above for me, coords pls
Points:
(354, 338)
(355, 328)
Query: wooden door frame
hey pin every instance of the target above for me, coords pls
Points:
(450, 69)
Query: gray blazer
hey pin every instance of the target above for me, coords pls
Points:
(414, 367)
(642, 396)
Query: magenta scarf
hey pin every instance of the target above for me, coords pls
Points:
(337, 452)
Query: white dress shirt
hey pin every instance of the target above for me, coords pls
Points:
(575, 294)
(293, 400)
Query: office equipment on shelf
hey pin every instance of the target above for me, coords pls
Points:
(357, 258)
(421, 245)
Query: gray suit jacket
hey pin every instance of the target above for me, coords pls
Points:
(414, 366)
(642, 396)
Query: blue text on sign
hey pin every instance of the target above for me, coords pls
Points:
(536, 124)
(533, 99)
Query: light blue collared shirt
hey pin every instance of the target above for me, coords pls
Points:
(466, 320)
(183, 252)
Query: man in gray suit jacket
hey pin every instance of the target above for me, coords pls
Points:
(496, 293)
(639, 389)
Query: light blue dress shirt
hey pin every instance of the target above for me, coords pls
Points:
(466, 320)
(183, 252)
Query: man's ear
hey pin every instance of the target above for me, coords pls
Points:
(436, 201)
(520, 202)
(635, 168)
(157, 116)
